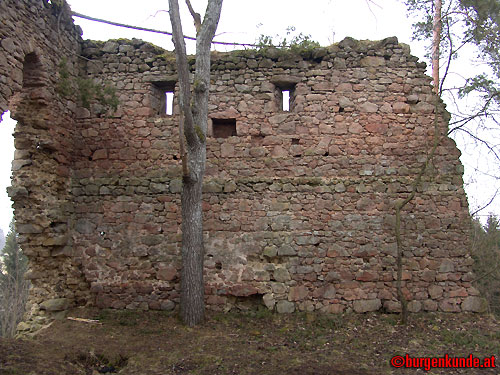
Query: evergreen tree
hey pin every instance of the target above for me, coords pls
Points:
(454, 28)
(14, 262)
(493, 230)
(486, 254)
(13, 286)
(463, 23)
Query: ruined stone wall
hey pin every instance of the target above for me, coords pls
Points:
(35, 37)
(299, 204)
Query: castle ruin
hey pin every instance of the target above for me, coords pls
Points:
(298, 204)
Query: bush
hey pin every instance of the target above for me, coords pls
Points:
(296, 43)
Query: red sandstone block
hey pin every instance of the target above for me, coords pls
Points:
(167, 273)
(367, 276)
(298, 293)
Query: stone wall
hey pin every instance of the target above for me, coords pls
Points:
(35, 37)
(298, 204)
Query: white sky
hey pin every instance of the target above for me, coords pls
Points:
(327, 21)
(243, 21)
(7, 146)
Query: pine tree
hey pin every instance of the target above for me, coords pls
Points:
(14, 262)
(13, 286)
(449, 26)
(486, 254)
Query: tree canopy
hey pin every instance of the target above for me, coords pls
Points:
(466, 23)
(469, 67)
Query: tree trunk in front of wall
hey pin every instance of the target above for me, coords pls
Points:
(193, 102)
(192, 285)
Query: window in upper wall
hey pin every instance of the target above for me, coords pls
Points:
(169, 103)
(285, 96)
(284, 91)
(162, 98)
(285, 100)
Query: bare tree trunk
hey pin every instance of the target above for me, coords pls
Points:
(193, 129)
(436, 41)
(192, 285)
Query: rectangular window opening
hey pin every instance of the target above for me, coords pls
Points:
(285, 99)
(162, 97)
(169, 103)
(224, 128)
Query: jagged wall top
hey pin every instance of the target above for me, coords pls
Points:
(348, 53)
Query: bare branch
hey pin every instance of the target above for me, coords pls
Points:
(196, 16)
(158, 11)
(373, 3)
(79, 15)
(486, 205)
(482, 141)
(370, 8)
(482, 112)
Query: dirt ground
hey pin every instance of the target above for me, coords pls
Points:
(257, 342)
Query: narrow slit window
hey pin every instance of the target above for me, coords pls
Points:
(169, 103)
(224, 128)
(285, 98)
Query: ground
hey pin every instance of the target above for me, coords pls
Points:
(256, 342)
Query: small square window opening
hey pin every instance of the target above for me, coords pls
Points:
(224, 128)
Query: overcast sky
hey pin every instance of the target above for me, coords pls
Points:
(327, 21)
(243, 21)
(7, 149)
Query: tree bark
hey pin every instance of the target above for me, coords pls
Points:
(436, 41)
(193, 103)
